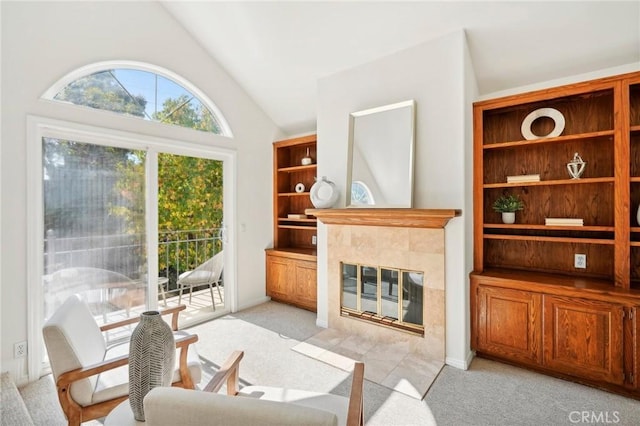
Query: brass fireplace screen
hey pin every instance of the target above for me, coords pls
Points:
(387, 296)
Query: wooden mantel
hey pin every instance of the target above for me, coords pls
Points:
(404, 218)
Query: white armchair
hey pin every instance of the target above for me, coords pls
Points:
(253, 405)
(92, 378)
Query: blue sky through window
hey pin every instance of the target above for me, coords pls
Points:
(144, 83)
(141, 94)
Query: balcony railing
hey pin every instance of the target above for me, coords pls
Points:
(180, 251)
(110, 270)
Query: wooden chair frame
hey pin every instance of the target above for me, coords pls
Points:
(77, 414)
(230, 371)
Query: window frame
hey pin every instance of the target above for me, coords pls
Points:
(39, 127)
(51, 92)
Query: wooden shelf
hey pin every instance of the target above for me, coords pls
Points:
(291, 169)
(559, 139)
(293, 194)
(533, 303)
(303, 220)
(557, 284)
(584, 181)
(549, 239)
(548, 227)
(288, 172)
(291, 265)
(299, 227)
(302, 253)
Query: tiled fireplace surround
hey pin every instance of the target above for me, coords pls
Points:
(411, 239)
(401, 248)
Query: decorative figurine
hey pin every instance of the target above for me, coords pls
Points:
(576, 166)
(307, 159)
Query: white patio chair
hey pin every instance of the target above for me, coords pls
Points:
(208, 273)
(91, 377)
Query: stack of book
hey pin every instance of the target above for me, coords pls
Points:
(523, 178)
(296, 216)
(562, 221)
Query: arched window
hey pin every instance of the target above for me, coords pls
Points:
(142, 91)
(361, 194)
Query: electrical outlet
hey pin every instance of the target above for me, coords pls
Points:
(314, 240)
(580, 261)
(20, 350)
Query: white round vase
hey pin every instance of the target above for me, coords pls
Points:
(509, 217)
(324, 194)
(638, 215)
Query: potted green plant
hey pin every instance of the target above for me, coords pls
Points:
(508, 205)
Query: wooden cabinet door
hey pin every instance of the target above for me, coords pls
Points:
(280, 276)
(306, 294)
(632, 343)
(509, 323)
(584, 338)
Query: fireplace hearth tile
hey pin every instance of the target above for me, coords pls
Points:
(327, 338)
(355, 344)
(392, 364)
(337, 360)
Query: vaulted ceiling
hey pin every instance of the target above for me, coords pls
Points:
(278, 50)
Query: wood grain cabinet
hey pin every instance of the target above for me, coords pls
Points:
(532, 303)
(291, 263)
(584, 338)
(292, 279)
(509, 323)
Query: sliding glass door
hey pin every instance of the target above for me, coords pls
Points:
(94, 227)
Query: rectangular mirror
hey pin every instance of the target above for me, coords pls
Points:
(380, 163)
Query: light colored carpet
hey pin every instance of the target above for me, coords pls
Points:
(489, 393)
(12, 408)
(492, 393)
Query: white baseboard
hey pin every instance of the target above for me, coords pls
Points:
(17, 370)
(461, 364)
(322, 323)
(21, 381)
(254, 302)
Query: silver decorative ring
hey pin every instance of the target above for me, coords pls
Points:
(552, 113)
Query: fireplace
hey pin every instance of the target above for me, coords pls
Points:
(390, 297)
(385, 276)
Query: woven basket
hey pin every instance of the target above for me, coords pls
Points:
(152, 354)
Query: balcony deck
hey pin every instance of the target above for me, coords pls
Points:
(197, 311)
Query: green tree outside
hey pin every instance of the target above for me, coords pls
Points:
(187, 112)
(189, 189)
(102, 91)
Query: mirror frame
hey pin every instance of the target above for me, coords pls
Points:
(411, 104)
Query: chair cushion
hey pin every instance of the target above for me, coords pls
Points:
(115, 383)
(339, 405)
(195, 277)
(74, 340)
(172, 406)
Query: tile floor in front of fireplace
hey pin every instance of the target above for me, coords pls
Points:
(391, 364)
